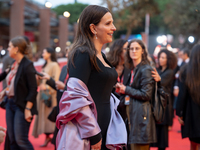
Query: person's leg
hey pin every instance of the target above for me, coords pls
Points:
(10, 113)
(21, 130)
(193, 146)
(47, 140)
(139, 146)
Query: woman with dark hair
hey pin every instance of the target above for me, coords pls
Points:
(21, 92)
(188, 103)
(42, 124)
(116, 56)
(167, 62)
(88, 109)
(140, 93)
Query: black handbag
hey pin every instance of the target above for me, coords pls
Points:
(4, 102)
(46, 97)
(159, 103)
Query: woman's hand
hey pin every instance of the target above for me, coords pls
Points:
(45, 76)
(2, 94)
(96, 146)
(43, 87)
(180, 119)
(155, 75)
(60, 85)
(28, 115)
(2, 134)
(120, 87)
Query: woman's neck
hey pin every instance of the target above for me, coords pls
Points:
(48, 60)
(136, 62)
(19, 57)
(98, 46)
(163, 68)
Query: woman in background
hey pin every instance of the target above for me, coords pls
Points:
(42, 124)
(140, 92)
(167, 62)
(188, 103)
(21, 92)
(116, 56)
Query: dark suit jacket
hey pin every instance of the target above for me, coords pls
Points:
(3, 75)
(25, 85)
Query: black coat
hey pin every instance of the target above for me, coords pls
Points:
(141, 92)
(189, 110)
(3, 75)
(167, 77)
(25, 85)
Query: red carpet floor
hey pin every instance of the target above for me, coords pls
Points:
(175, 140)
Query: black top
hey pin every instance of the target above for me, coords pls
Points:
(25, 85)
(100, 85)
(166, 82)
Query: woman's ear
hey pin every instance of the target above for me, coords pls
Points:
(92, 28)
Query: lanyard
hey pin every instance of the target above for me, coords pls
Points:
(132, 77)
(66, 78)
(120, 80)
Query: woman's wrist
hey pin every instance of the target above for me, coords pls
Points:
(28, 108)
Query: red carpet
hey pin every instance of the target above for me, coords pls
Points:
(175, 140)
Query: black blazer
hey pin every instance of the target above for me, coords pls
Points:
(25, 85)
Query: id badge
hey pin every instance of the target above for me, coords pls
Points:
(127, 100)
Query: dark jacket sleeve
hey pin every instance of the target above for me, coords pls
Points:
(3, 75)
(144, 93)
(51, 83)
(166, 77)
(31, 83)
(182, 96)
(81, 70)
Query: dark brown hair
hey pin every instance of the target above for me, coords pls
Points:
(128, 60)
(115, 52)
(21, 43)
(92, 14)
(53, 55)
(171, 59)
(193, 74)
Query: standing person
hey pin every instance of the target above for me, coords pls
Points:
(87, 107)
(188, 103)
(167, 62)
(21, 92)
(140, 92)
(42, 124)
(116, 57)
(60, 86)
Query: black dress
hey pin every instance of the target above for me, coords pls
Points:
(100, 85)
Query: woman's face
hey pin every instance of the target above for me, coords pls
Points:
(124, 49)
(46, 55)
(12, 50)
(105, 29)
(163, 59)
(135, 51)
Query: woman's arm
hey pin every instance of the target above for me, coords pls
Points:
(147, 85)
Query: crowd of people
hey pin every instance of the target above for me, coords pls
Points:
(99, 101)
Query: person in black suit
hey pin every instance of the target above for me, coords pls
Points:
(21, 92)
(188, 103)
(167, 62)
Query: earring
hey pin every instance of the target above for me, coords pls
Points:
(96, 35)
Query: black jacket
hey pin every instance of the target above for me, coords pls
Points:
(189, 110)
(141, 92)
(25, 85)
(167, 78)
(3, 75)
